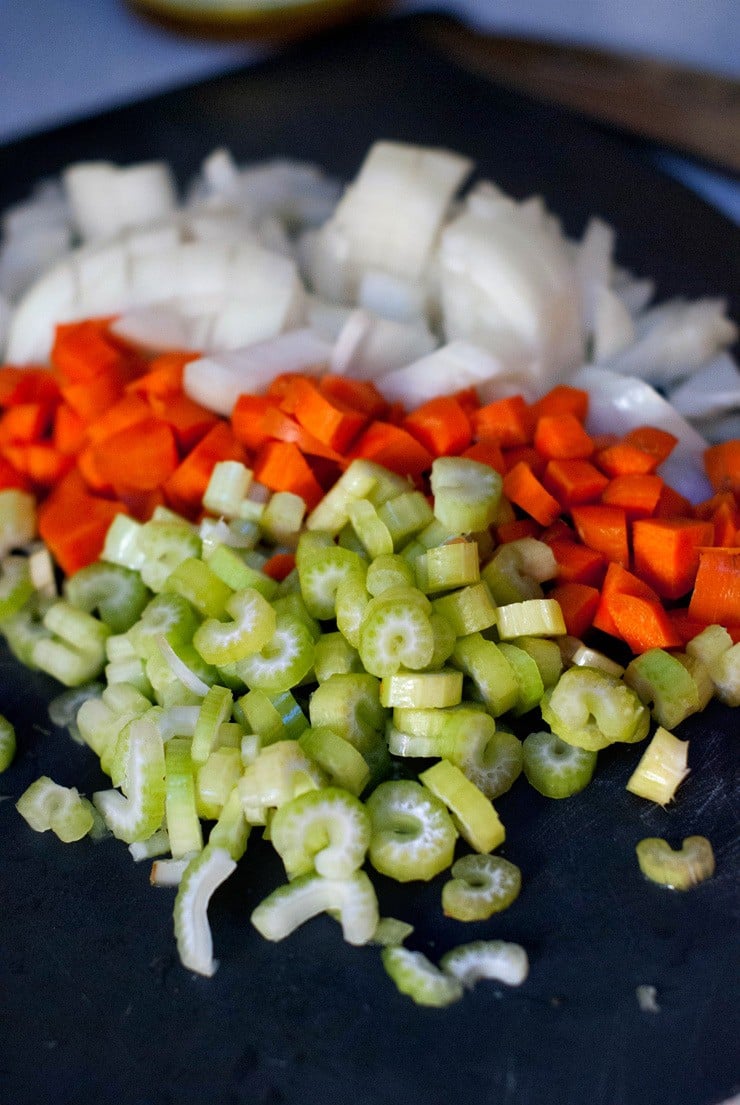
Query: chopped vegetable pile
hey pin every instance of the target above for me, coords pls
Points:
(344, 584)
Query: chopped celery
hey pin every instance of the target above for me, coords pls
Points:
(25, 628)
(163, 545)
(405, 515)
(16, 585)
(484, 663)
(100, 720)
(350, 705)
(168, 615)
(254, 623)
(573, 651)
(555, 768)
(196, 582)
(530, 618)
(141, 812)
(351, 899)
(466, 493)
(280, 772)
(490, 757)
(445, 640)
(231, 569)
(546, 655)
(662, 768)
(384, 572)
(228, 485)
(283, 662)
(661, 679)
(214, 711)
(320, 572)
(282, 518)
(391, 933)
(487, 959)
(418, 978)
(75, 651)
(726, 676)
(689, 865)
(531, 687)
(455, 564)
(215, 781)
(516, 570)
(422, 689)
(158, 844)
(370, 529)
(17, 519)
(592, 709)
(7, 743)
(117, 593)
(472, 813)
(481, 885)
(183, 826)
(395, 633)
(203, 875)
(333, 655)
(46, 805)
(351, 600)
(468, 610)
(231, 831)
(327, 831)
(413, 836)
(340, 760)
(274, 718)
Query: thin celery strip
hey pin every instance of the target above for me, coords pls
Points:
(46, 805)
(141, 812)
(183, 826)
(202, 877)
(494, 960)
(158, 844)
(327, 831)
(481, 885)
(215, 710)
(574, 652)
(370, 529)
(231, 831)
(681, 869)
(215, 780)
(417, 977)
(472, 813)
(352, 900)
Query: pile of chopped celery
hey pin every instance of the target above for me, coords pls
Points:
(234, 703)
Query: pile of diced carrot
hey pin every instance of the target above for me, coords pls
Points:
(108, 430)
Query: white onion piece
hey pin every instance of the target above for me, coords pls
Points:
(158, 328)
(593, 263)
(712, 391)
(106, 199)
(217, 381)
(634, 292)
(454, 366)
(5, 314)
(180, 669)
(613, 328)
(52, 299)
(391, 297)
(620, 403)
(369, 345)
(327, 319)
(726, 428)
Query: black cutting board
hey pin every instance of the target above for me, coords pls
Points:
(94, 1006)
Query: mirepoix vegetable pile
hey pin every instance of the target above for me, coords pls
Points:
(305, 501)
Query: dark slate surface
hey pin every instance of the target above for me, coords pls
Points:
(94, 1007)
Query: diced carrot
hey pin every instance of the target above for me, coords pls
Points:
(394, 448)
(27, 385)
(247, 418)
(685, 626)
(70, 430)
(73, 523)
(10, 477)
(186, 486)
(562, 399)
(516, 529)
(327, 420)
(40, 461)
(93, 397)
(666, 552)
(469, 400)
(358, 395)
(25, 422)
(87, 465)
(574, 482)
(278, 425)
(129, 411)
(506, 421)
(623, 459)
(618, 581)
(441, 425)
(578, 563)
(672, 504)
(164, 377)
(139, 458)
(642, 623)
(84, 350)
(525, 454)
(726, 523)
(279, 565)
(603, 528)
(579, 603)
(562, 437)
(281, 385)
(722, 465)
(142, 504)
(638, 495)
(652, 440)
(189, 420)
(522, 488)
(716, 594)
(281, 466)
(486, 452)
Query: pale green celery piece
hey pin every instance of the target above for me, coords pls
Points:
(167, 615)
(385, 572)
(391, 932)
(320, 572)
(574, 652)
(662, 768)
(387, 485)
(435, 534)
(326, 831)
(116, 593)
(165, 675)
(228, 485)
(229, 735)
(344, 766)
(484, 663)
(356, 482)
(164, 545)
(437, 723)
(283, 518)
(64, 707)
(164, 514)
(196, 582)
(472, 813)
(276, 718)
(445, 640)
(158, 844)
(122, 544)
(555, 768)
(405, 515)
(251, 511)
(168, 872)
(351, 900)
(24, 629)
(493, 960)
(75, 653)
(202, 877)
(231, 831)
(371, 530)
(350, 705)
(660, 679)
(411, 553)
(231, 568)
(132, 671)
(253, 624)
(546, 655)
(531, 687)
(491, 758)
(183, 826)
(141, 812)
(334, 656)
(294, 606)
(530, 618)
(283, 662)
(7, 743)
(709, 645)
(418, 978)
(351, 601)
(468, 610)
(250, 748)
(118, 647)
(699, 672)
(16, 585)
(395, 633)
(117, 754)
(592, 709)
(689, 865)
(726, 676)
(215, 780)
(17, 520)
(481, 885)
(421, 746)
(413, 836)
(466, 493)
(100, 720)
(280, 772)
(447, 566)
(312, 543)
(516, 570)
(46, 805)
(424, 689)
(214, 711)
(288, 586)
(177, 721)
(348, 539)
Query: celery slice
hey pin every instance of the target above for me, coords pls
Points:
(351, 601)
(75, 652)
(490, 757)
(531, 687)
(350, 705)
(405, 515)
(662, 768)
(333, 655)
(168, 615)
(183, 826)
(158, 844)
(484, 663)
(227, 487)
(424, 689)
(320, 572)
(352, 900)
(517, 569)
(385, 572)
(472, 813)
(395, 633)
(546, 655)
(232, 570)
(495, 960)
(203, 875)
(689, 865)
(413, 836)
(215, 781)
(327, 831)
(555, 768)
(214, 711)
(481, 885)
(100, 720)
(370, 529)
(23, 629)
(340, 760)
(163, 546)
(16, 585)
(117, 593)
(661, 679)
(280, 772)
(141, 812)
(726, 676)
(391, 932)
(466, 494)
(276, 718)
(254, 622)
(592, 709)
(418, 978)
(530, 618)
(196, 582)
(46, 805)
(283, 662)
(445, 640)
(469, 610)
(282, 518)
(232, 830)
(447, 566)
(574, 652)
(7, 743)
